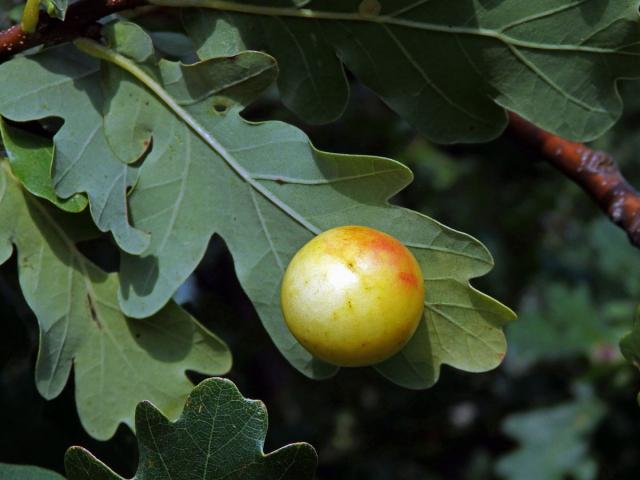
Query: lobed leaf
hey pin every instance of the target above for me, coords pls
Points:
(118, 361)
(267, 191)
(263, 187)
(132, 143)
(220, 435)
(62, 83)
(449, 68)
(31, 158)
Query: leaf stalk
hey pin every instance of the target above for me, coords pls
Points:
(30, 16)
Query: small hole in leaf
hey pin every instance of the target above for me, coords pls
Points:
(221, 104)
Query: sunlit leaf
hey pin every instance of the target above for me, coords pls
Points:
(266, 191)
(56, 8)
(31, 157)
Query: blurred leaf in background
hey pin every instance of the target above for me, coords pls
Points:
(442, 170)
(10, 12)
(616, 260)
(553, 441)
(561, 322)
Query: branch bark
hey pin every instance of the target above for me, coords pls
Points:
(80, 21)
(594, 171)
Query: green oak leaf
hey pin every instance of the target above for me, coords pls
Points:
(26, 472)
(31, 157)
(174, 45)
(553, 441)
(60, 82)
(312, 81)
(449, 68)
(118, 362)
(630, 344)
(220, 435)
(266, 191)
(130, 40)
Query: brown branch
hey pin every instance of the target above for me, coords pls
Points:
(80, 20)
(595, 171)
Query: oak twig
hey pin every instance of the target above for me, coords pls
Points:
(79, 21)
(594, 171)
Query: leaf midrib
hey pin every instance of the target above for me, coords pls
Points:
(199, 130)
(310, 14)
(76, 258)
(95, 49)
(79, 259)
